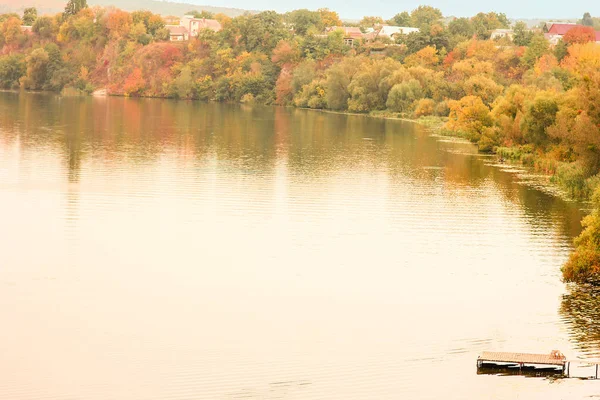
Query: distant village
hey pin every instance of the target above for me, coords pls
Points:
(186, 27)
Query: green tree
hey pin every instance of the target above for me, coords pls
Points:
(303, 20)
(260, 32)
(29, 16)
(183, 84)
(401, 19)
(461, 27)
(561, 50)
(338, 78)
(522, 35)
(537, 48)
(424, 16)
(540, 114)
(37, 69)
(12, 68)
(403, 95)
(587, 20)
(74, 6)
(44, 27)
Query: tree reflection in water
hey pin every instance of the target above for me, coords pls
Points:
(580, 309)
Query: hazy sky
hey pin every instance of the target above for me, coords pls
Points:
(387, 8)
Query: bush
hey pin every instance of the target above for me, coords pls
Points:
(424, 107)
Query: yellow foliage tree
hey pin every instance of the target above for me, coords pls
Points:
(469, 115)
(426, 57)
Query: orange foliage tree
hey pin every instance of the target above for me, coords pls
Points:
(580, 34)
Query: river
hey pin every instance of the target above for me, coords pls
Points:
(157, 249)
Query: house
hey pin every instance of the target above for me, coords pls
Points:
(26, 29)
(351, 34)
(502, 33)
(393, 31)
(177, 33)
(194, 25)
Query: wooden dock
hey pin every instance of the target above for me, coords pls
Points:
(555, 359)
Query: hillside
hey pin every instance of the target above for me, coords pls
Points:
(158, 7)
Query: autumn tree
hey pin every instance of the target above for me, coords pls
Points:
(119, 23)
(580, 34)
(285, 52)
(469, 115)
(10, 30)
(135, 83)
(329, 18)
(426, 57)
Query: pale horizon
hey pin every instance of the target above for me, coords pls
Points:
(355, 9)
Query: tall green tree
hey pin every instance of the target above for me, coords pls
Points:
(29, 16)
(522, 35)
(424, 16)
(537, 48)
(74, 6)
(587, 19)
(303, 20)
(401, 19)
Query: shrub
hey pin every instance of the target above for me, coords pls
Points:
(424, 107)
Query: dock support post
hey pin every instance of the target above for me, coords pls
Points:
(596, 371)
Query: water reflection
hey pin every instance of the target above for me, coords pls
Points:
(223, 250)
(253, 139)
(580, 308)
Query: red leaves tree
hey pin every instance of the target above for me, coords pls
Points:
(580, 34)
(135, 83)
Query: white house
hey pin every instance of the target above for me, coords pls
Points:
(502, 33)
(392, 31)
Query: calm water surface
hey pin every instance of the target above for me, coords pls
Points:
(154, 249)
